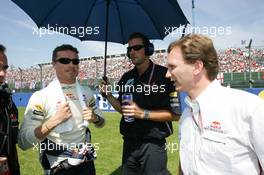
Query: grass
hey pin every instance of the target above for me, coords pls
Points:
(109, 154)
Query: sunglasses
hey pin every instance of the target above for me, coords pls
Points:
(135, 47)
(74, 61)
(4, 67)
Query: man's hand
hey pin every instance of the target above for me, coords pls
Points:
(132, 110)
(63, 112)
(3, 160)
(88, 114)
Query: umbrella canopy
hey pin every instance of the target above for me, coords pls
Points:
(106, 20)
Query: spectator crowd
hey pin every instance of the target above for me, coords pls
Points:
(91, 69)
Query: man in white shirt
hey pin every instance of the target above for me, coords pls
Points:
(54, 119)
(221, 129)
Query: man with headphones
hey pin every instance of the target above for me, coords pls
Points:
(144, 138)
(8, 123)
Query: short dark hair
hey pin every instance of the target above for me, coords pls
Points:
(2, 48)
(63, 47)
(144, 38)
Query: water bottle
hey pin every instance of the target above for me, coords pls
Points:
(126, 100)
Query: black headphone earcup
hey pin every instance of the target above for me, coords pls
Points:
(149, 49)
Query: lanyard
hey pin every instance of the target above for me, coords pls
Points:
(198, 123)
(150, 76)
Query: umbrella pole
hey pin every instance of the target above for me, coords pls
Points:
(106, 38)
(193, 17)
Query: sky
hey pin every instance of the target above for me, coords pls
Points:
(226, 22)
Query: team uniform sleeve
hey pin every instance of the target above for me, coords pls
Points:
(33, 117)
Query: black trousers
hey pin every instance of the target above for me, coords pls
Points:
(86, 168)
(144, 157)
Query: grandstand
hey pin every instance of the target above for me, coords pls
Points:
(234, 69)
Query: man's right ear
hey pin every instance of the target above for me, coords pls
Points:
(198, 67)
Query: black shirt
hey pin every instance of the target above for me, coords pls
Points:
(151, 93)
(8, 131)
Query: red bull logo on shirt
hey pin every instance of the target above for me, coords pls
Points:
(216, 125)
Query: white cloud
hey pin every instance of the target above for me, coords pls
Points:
(245, 17)
(18, 23)
(93, 48)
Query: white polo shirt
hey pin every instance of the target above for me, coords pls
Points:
(229, 137)
(43, 105)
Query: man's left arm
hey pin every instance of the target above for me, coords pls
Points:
(96, 116)
(100, 118)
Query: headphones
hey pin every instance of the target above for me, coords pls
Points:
(148, 46)
(149, 49)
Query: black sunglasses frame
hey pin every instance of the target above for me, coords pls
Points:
(74, 61)
(135, 47)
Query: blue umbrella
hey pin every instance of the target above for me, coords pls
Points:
(106, 20)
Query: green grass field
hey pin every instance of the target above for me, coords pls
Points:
(109, 154)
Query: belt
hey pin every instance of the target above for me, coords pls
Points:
(64, 165)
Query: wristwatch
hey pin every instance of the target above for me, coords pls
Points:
(146, 115)
(97, 118)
